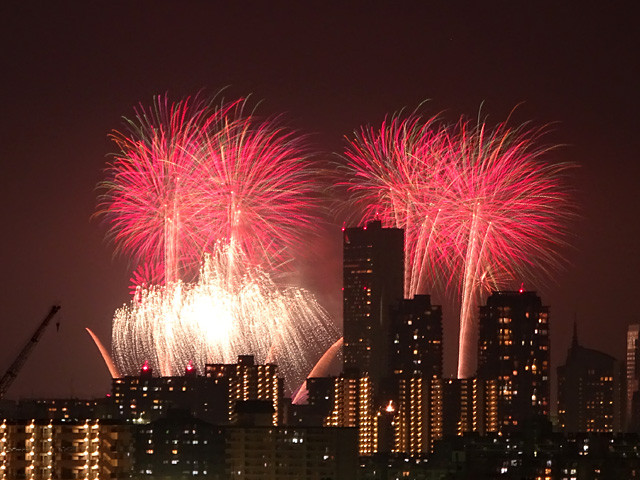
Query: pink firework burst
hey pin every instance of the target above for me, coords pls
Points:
(393, 174)
(480, 206)
(255, 188)
(192, 173)
(508, 211)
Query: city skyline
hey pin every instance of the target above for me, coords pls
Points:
(64, 96)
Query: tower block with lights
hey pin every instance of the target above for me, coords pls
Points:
(513, 350)
(414, 377)
(373, 280)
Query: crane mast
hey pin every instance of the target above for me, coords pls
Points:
(12, 372)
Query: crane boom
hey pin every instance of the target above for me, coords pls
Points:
(12, 372)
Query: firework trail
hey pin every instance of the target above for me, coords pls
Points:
(480, 206)
(195, 179)
(513, 209)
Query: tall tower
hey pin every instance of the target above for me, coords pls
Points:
(513, 349)
(632, 376)
(373, 276)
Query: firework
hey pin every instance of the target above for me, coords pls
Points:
(234, 307)
(395, 174)
(192, 181)
(479, 206)
(190, 174)
(145, 199)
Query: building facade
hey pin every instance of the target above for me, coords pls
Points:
(179, 446)
(291, 453)
(418, 415)
(146, 397)
(354, 407)
(248, 381)
(469, 405)
(47, 450)
(211, 397)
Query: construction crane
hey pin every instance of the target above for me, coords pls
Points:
(12, 372)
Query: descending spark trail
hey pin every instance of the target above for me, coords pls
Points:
(145, 200)
(194, 180)
(321, 369)
(479, 206)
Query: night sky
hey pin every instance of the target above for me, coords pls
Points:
(70, 71)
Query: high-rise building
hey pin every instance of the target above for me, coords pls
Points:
(632, 397)
(588, 390)
(413, 386)
(514, 351)
(373, 279)
(416, 338)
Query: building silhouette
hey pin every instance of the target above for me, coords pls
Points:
(588, 390)
(373, 272)
(514, 351)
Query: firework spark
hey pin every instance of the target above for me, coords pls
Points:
(480, 206)
(234, 307)
(195, 180)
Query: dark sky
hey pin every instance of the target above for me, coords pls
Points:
(70, 71)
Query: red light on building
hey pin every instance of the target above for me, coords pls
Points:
(390, 408)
